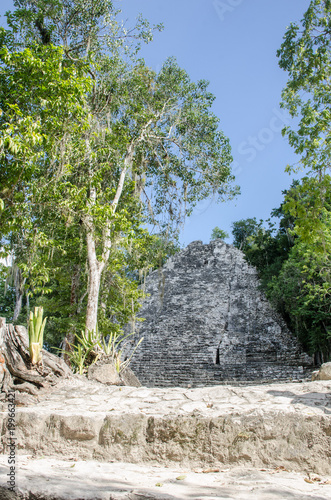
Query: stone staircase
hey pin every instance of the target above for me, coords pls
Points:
(208, 323)
(274, 427)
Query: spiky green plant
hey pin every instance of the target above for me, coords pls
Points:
(36, 334)
(112, 348)
(78, 356)
(88, 348)
(83, 353)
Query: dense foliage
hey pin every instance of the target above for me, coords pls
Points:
(293, 255)
(101, 160)
(305, 279)
(294, 267)
(219, 233)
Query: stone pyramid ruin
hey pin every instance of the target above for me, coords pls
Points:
(207, 323)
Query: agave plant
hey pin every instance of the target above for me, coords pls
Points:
(83, 353)
(36, 334)
(78, 357)
(112, 348)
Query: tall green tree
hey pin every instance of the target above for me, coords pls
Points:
(160, 135)
(243, 230)
(152, 148)
(293, 262)
(305, 55)
(218, 233)
(301, 289)
(41, 101)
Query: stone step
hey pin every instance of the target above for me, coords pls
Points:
(267, 425)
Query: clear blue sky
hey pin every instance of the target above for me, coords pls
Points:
(233, 44)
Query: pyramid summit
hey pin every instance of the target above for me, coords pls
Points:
(207, 322)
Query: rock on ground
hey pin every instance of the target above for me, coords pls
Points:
(324, 373)
(104, 371)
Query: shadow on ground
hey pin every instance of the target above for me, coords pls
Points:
(321, 400)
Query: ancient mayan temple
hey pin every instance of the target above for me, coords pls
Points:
(208, 323)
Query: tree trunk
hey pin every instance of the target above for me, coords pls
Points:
(69, 339)
(19, 292)
(17, 373)
(96, 266)
(95, 271)
(18, 305)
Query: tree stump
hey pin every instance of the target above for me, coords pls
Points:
(16, 371)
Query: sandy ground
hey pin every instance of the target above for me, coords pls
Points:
(88, 480)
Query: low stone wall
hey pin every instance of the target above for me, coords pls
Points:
(272, 425)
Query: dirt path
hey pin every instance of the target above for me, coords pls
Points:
(70, 480)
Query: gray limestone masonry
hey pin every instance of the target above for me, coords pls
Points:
(207, 323)
(266, 425)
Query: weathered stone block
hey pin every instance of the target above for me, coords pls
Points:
(104, 373)
(128, 378)
(324, 373)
